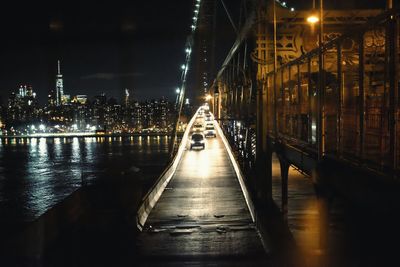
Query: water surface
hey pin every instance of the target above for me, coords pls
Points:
(37, 173)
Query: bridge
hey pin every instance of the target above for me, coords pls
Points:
(327, 108)
(316, 103)
(204, 212)
(332, 112)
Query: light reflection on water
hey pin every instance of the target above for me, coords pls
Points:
(36, 173)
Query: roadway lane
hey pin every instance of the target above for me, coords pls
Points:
(202, 213)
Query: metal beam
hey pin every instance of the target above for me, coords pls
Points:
(244, 31)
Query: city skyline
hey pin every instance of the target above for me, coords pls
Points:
(109, 48)
(64, 112)
(24, 116)
(59, 81)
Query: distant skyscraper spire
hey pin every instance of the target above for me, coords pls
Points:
(58, 67)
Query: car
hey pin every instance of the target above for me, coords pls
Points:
(198, 127)
(197, 140)
(210, 130)
(209, 117)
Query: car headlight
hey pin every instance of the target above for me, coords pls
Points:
(202, 142)
(192, 142)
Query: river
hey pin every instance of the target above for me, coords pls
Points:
(37, 173)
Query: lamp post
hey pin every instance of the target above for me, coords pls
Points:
(320, 100)
(314, 16)
(313, 19)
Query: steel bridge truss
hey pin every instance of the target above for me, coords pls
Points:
(339, 101)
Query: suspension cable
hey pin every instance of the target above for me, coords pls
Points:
(229, 17)
(185, 68)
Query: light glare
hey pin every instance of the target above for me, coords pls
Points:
(312, 19)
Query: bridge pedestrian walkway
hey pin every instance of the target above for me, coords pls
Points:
(202, 214)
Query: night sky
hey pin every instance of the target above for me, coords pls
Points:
(103, 47)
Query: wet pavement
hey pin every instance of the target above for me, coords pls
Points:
(339, 234)
(202, 216)
(202, 219)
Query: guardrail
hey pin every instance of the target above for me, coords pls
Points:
(342, 98)
(151, 198)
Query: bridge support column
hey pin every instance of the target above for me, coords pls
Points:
(284, 164)
(263, 153)
(263, 175)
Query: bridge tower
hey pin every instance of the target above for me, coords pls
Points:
(205, 50)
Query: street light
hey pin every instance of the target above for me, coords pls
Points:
(314, 17)
(178, 94)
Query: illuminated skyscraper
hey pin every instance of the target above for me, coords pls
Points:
(59, 85)
(128, 97)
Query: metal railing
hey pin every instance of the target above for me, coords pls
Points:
(359, 94)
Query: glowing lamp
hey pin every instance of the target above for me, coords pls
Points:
(312, 19)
